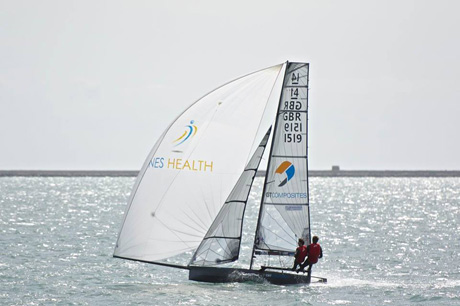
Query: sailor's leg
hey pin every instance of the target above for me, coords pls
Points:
(295, 265)
(306, 263)
(309, 273)
(302, 266)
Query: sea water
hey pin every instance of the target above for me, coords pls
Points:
(386, 241)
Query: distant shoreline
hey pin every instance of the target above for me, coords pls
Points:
(313, 173)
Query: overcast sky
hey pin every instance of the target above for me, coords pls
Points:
(93, 84)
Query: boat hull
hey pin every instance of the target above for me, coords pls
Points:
(227, 275)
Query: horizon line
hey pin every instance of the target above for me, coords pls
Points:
(312, 173)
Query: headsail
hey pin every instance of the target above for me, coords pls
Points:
(284, 213)
(194, 166)
(223, 239)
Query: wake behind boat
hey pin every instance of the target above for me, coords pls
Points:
(192, 191)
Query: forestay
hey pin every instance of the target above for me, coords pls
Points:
(284, 212)
(194, 166)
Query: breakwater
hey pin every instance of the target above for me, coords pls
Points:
(312, 173)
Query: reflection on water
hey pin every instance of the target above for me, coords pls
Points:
(386, 241)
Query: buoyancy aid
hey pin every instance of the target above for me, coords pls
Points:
(314, 251)
(301, 254)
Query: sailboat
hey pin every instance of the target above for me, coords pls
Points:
(192, 191)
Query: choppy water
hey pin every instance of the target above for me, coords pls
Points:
(387, 241)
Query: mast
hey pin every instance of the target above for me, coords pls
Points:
(308, 177)
(284, 213)
(268, 164)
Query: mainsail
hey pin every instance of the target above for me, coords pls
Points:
(194, 166)
(221, 243)
(284, 212)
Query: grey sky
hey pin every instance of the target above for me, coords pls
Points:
(92, 84)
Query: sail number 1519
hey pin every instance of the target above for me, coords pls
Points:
(293, 138)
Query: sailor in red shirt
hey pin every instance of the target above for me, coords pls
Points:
(314, 252)
(300, 254)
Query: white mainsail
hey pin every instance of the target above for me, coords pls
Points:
(195, 165)
(284, 213)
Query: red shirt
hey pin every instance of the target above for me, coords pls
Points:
(314, 252)
(301, 253)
